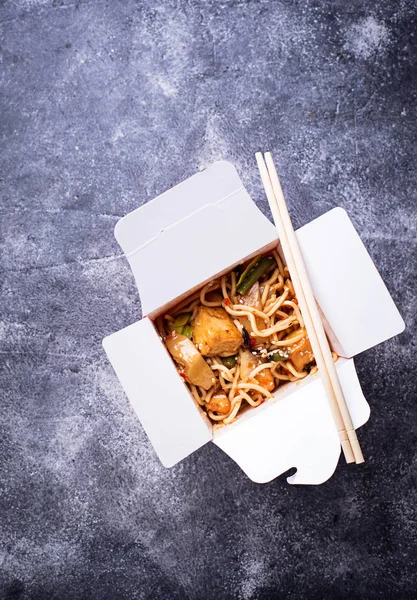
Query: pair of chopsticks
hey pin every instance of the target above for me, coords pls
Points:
(313, 324)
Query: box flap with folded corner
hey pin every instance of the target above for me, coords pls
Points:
(191, 233)
(296, 429)
(165, 407)
(358, 310)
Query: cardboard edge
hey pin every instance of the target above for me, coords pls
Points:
(293, 479)
(217, 164)
(368, 415)
(366, 407)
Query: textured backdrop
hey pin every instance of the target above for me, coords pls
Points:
(105, 104)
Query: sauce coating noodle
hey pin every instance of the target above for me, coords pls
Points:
(252, 342)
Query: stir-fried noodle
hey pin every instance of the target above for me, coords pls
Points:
(247, 328)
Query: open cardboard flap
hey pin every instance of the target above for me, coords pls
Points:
(191, 233)
(166, 409)
(205, 226)
(295, 429)
(358, 309)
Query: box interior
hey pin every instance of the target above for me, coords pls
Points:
(246, 410)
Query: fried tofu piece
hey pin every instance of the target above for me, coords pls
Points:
(214, 332)
(300, 353)
(186, 354)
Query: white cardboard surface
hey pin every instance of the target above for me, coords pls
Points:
(296, 429)
(160, 399)
(143, 224)
(359, 311)
(189, 234)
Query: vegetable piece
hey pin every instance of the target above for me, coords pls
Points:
(180, 321)
(246, 339)
(253, 298)
(238, 271)
(214, 332)
(219, 403)
(249, 362)
(279, 354)
(229, 361)
(188, 331)
(186, 354)
(258, 267)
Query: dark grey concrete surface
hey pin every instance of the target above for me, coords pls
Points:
(105, 104)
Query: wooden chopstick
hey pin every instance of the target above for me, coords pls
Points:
(313, 310)
(347, 435)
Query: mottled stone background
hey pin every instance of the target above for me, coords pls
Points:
(105, 104)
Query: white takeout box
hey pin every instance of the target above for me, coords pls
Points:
(188, 236)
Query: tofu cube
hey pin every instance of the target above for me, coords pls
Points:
(214, 332)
